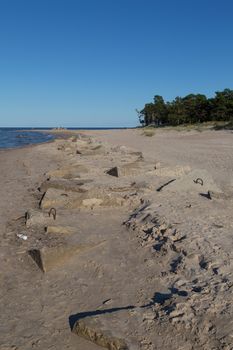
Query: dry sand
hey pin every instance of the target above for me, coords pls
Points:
(142, 260)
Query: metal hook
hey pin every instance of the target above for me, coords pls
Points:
(53, 212)
(199, 181)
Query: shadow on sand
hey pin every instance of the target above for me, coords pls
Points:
(158, 298)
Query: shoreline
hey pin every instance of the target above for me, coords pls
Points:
(152, 259)
(26, 146)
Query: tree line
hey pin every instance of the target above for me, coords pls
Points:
(193, 108)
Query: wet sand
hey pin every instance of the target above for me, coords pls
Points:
(144, 252)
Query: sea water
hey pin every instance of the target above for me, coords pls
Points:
(19, 137)
(16, 137)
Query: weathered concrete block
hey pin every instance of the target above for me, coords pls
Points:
(187, 183)
(113, 171)
(91, 202)
(69, 171)
(93, 149)
(93, 198)
(61, 199)
(64, 184)
(176, 171)
(131, 168)
(36, 218)
(127, 169)
(93, 330)
(61, 229)
(48, 257)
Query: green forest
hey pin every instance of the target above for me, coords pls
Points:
(193, 108)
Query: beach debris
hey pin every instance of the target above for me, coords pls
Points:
(172, 172)
(187, 183)
(220, 195)
(57, 198)
(22, 236)
(199, 181)
(37, 218)
(95, 197)
(113, 171)
(49, 257)
(92, 202)
(60, 229)
(65, 184)
(164, 185)
(69, 171)
(92, 329)
(95, 149)
(128, 169)
(53, 212)
(206, 195)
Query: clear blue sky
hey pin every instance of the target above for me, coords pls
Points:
(92, 62)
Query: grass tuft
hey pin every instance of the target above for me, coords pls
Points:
(148, 132)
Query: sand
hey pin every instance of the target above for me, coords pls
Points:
(138, 258)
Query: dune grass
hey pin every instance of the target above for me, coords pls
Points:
(149, 132)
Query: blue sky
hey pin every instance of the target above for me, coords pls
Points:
(92, 62)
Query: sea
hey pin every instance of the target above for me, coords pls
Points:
(20, 137)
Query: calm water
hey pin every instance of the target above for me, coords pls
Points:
(15, 137)
(18, 137)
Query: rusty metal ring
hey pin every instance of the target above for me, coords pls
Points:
(199, 181)
(53, 212)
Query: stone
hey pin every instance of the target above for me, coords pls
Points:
(113, 171)
(95, 149)
(61, 229)
(55, 198)
(93, 330)
(49, 257)
(176, 171)
(126, 169)
(69, 171)
(187, 183)
(36, 218)
(64, 184)
(90, 202)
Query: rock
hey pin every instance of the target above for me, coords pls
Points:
(126, 169)
(92, 329)
(48, 257)
(61, 229)
(150, 316)
(91, 202)
(82, 143)
(64, 184)
(113, 171)
(95, 149)
(219, 195)
(36, 218)
(69, 171)
(96, 196)
(187, 183)
(122, 189)
(61, 199)
(176, 171)
(131, 168)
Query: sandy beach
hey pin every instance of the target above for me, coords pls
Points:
(114, 239)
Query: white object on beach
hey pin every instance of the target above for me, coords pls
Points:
(22, 236)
